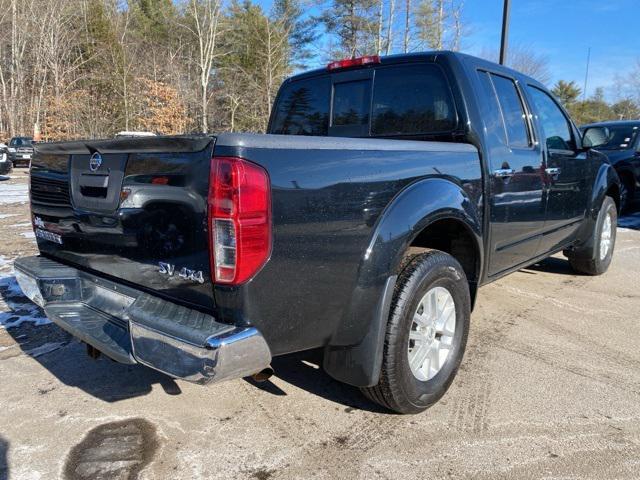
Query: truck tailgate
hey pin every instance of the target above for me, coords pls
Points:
(133, 209)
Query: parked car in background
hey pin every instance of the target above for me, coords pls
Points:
(126, 133)
(205, 256)
(620, 142)
(5, 163)
(21, 151)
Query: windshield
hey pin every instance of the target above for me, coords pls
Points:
(619, 137)
(21, 142)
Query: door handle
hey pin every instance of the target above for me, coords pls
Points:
(504, 173)
(552, 172)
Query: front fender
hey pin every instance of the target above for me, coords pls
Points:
(606, 178)
(354, 353)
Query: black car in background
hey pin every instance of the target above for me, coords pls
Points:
(21, 151)
(5, 163)
(620, 142)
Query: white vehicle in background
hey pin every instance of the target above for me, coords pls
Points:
(135, 134)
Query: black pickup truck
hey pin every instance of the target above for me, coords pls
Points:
(386, 192)
(21, 151)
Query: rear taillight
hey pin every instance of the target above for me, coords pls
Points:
(239, 219)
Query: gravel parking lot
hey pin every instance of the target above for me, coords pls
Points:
(549, 388)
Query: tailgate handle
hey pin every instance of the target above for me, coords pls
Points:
(95, 181)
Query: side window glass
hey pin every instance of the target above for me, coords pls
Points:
(554, 123)
(513, 112)
(493, 119)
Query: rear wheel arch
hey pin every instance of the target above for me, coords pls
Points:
(455, 237)
(353, 354)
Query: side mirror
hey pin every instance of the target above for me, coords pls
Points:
(594, 137)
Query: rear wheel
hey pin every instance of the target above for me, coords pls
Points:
(601, 253)
(426, 334)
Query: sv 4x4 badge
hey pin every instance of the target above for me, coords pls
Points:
(169, 269)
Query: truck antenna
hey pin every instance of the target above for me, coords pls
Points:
(586, 75)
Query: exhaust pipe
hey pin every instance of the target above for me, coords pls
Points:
(263, 375)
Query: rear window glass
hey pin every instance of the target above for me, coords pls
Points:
(411, 99)
(351, 103)
(401, 100)
(303, 108)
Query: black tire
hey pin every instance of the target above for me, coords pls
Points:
(398, 389)
(592, 263)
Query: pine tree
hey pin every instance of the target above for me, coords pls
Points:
(300, 30)
(567, 92)
(154, 19)
(256, 63)
(354, 24)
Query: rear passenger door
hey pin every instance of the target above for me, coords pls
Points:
(516, 194)
(567, 174)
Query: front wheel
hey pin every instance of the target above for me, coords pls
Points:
(601, 251)
(426, 334)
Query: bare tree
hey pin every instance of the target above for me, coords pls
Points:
(392, 7)
(627, 86)
(12, 73)
(379, 24)
(203, 23)
(457, 25)
(524, 59)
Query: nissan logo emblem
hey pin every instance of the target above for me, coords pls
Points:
(95, 162)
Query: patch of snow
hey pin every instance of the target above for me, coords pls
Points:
(14, 193)
(15, 308)
(7, 215)
(20, 225)
(28, 234)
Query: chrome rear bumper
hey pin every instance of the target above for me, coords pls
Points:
(133, 327)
